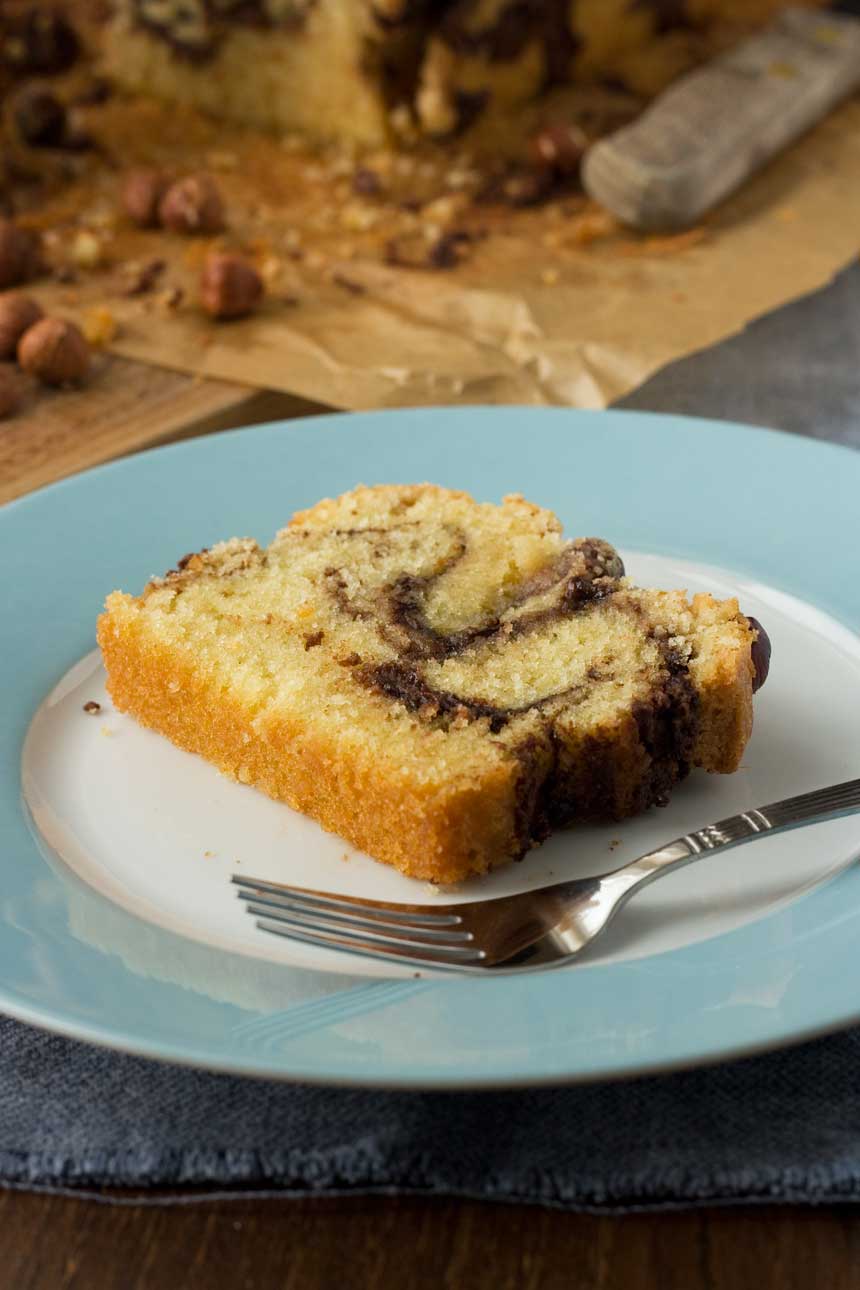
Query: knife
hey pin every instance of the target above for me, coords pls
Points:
(716, 126)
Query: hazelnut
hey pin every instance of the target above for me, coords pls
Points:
(229, 286)
(560, 147)
(39, 117)
(20, 254)
(38, 40)
(140, 195)
(17, 313)
(86, 251)
(192, 205)
(10, 394)
(527, 187)
(55, 351)
(760, 653)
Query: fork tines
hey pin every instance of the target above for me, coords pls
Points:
(371, 928)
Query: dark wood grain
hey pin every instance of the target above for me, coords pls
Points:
(53, 1243)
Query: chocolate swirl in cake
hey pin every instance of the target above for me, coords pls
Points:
(587, 572)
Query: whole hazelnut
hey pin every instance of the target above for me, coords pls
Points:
(39, 117)
(20, 254)
(10, 393)
(229, 286)
(38, 40)
(140, 195)
(55, 351)
(560, 147)
(760, 653)
(192, 205)
(17, 313)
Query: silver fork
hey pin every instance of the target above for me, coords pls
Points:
(514, 933)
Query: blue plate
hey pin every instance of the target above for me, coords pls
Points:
(779, 509)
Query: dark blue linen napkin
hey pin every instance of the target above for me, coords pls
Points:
(783, 1127)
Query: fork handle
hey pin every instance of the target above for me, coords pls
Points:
(808, 808)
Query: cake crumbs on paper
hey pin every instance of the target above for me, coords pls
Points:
(345, 857)
(207, 855)
(107, 732)
(616, 842)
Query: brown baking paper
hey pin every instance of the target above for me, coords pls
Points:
(551, 305)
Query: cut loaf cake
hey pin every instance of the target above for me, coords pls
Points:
(376, 70)
(439, 681)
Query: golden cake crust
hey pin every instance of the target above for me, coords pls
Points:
(424, 833)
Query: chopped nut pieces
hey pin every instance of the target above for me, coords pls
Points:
(10, 394)
(20, 254)
(86, 250)
(446, 210)
(100, 326)
(55, 351)
(592, 226)
(170, 299)
(92, 708)
(142, 278)
(17, 313)
(192, 205)
(560, 147)
(444, 252)
(527, 187)
(140, 195)
(357, 218)
(230, 287)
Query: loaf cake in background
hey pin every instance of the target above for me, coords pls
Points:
(367, 70)
(439, 681)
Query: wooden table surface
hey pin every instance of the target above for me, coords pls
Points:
(60, 1243)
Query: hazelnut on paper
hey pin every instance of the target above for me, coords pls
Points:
(55, 351)
(230, 287)
(192, 205)
(141, 194)
(559, 146)
(17, 313)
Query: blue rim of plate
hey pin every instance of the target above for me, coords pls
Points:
(779, 508)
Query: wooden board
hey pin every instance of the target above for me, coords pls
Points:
(125, 407)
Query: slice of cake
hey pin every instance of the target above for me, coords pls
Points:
(358, 68)
(441, 682)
